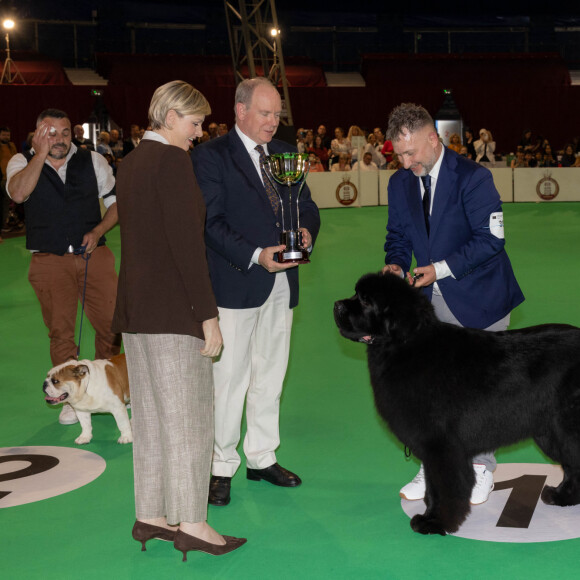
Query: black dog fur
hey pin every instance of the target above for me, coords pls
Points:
(449, 393)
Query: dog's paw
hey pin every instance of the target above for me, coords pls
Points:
(560, 497)
(427, 525)
(83, 439)
(125, 439)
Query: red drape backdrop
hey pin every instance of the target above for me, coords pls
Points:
(503, 93)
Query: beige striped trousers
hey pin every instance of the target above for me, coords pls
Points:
(172, 418)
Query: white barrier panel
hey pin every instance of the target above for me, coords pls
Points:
(384, 184)
(344, 189)
(547, 184)
(367, 188)
(503, 181)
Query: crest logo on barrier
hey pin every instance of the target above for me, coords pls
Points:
(547, 188)
(346, 192)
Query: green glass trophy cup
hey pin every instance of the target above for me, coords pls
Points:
(289, 170)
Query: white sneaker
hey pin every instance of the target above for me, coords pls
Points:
(483, 484)
(67, 415)
(415, 489)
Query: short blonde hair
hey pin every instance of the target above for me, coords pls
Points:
(178, 96)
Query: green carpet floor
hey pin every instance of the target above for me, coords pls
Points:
(346, 520)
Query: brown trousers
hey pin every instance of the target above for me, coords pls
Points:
(58, 282)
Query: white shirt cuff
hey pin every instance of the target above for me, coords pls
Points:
(255, 257)
(442, 270)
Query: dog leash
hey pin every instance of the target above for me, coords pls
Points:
(86, 258)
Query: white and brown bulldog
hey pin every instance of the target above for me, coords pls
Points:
(99, 386)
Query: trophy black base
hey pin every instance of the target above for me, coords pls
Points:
(294, 257)
(293, 253)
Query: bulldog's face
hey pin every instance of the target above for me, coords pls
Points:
(66, 383)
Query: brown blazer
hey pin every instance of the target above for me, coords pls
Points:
(164, 284)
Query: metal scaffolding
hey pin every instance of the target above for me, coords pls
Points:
(255, 42)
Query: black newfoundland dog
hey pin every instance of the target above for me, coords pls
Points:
(449, 393)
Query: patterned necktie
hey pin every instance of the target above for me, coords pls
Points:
(426, 179)
(270, 189)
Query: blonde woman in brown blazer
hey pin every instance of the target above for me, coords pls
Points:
(167, 313)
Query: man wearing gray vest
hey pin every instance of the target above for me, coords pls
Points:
(60, 186)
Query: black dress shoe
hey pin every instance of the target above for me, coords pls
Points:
(275, 474)
(219, 490)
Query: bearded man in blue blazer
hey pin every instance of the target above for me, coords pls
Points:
(445, 209)
(255, 293)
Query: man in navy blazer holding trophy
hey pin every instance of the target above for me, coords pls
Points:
(445, 209)
(255, 292)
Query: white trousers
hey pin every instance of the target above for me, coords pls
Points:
(251, 368)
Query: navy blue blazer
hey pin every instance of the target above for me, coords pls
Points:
(484, 289)
(240, 219)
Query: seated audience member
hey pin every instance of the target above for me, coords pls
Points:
(300, 134)
(549, 159)
(367, 163)
(387, 152)
(308, 140)
(115, 143)
(455, 143)
(372, 147)
(79, 139)
(354, 131)
(111, 161)
(380, 137)
(395, 164)
(212, 129)
(315, 165)
(531, 160)
(342, 164)
(539, 158)
(133, 141)
(27, 145)
(222, 129)
(568, 157)
(463, 151)
(577, 162)
(468, 142)
(519, 160)
(325, 138)
(484, 148)
(526, 141)
(340, 144)
(103, 144)
(319, 150)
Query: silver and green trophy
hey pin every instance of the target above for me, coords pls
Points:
(289, 170)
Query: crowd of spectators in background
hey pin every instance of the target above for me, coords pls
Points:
(537, 152)
(342, 153)
(355, 149)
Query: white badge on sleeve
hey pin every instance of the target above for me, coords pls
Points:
(496, 224)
